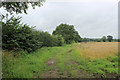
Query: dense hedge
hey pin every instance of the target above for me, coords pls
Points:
(17, 36)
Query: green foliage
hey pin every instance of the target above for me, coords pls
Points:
(22, 36)
(104, 39)
(109, 38)
(16, 35)
(77, 38)
(0, 35)
(68, 33)
(118, 40)
(46, 38)
(54, 40)
(50, 40)
(90, 40)
(19, 7)
(60, 40)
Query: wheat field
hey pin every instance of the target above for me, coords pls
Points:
(98, 49)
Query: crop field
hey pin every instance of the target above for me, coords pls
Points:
(78, 60)
(98, 49)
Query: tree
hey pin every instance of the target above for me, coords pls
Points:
(46, 38)
(18, 36)
(67, 32)
(60, 40)
(118, 40)
(77, 37)
(104, 39)
(54, 40)
(19, 7)
(109, 38)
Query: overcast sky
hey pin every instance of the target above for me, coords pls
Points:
(91, 18)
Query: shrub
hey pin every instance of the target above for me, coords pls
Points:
(16, 35)
(21, 36)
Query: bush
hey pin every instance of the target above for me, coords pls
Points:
(22, 36)
(16, 35)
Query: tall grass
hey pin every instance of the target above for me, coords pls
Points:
(29, 65)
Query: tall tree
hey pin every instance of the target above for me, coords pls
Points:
(109, 38)
(104, 39)
(68, 33)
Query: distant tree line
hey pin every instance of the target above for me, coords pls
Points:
(109, 38)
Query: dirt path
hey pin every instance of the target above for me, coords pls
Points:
(56, 74)
(52, 73)
(73, 73)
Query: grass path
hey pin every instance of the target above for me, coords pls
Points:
(66, 61)
(62, 66)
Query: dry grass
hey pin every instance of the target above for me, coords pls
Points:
(98, 49)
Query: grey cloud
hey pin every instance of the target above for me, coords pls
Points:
(91, 19)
